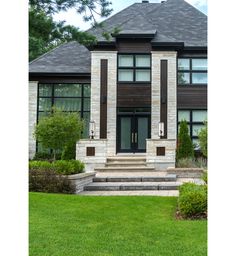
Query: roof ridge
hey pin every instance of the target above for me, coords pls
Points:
(46, 53)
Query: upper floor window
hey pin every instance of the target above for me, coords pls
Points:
(134, 68)
(192, 71)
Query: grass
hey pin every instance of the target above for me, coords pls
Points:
(69, 225)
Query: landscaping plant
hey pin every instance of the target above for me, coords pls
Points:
(58, 130)
(185, 147)
(203, 139)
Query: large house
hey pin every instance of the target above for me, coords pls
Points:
(132, 90)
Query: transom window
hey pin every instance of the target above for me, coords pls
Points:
(195, 120)
(134, 68)
(192, 71)
(68, 98)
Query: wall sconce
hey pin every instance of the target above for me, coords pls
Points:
(161, 129)
(91, 129)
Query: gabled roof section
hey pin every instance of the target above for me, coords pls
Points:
(67, 58)
(174, 21)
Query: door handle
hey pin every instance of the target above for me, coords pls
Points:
(132, 137)
(136, 137)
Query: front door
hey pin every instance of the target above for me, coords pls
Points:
(133, 130)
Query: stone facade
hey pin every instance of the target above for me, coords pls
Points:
(103, 148)
(33, 89)
(162, 162)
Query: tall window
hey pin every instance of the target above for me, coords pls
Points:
(134, 68)
(192, 71)
(195, 120)
(67, 97)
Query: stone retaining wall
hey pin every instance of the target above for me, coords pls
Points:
(186, 172)
(80, 180)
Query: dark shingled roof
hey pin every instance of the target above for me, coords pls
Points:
(173, 21)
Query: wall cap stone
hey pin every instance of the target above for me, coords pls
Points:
(81, 175)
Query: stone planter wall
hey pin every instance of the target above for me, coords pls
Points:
(80, 180)
(186, 172)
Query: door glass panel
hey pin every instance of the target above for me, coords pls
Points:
(142, 132)
(125, 133)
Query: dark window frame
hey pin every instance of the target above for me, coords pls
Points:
(52, 97)
(134, 68)
(190, 122)
(190, 71)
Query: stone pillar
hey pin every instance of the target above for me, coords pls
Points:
(33, 89)
(111, 56)
(167, 160)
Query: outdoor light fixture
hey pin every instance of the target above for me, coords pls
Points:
(91, 129)
(161, 129)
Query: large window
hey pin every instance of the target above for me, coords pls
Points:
(67, 97)
(192, 71)
(134, 68)
(195, 120)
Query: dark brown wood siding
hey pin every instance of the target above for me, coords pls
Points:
(164, 95)
(192, 97)
(60, 79)
(103, 100)
(131, 95)
(134, 47)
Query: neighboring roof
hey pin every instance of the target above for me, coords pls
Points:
(67, 58)
(173, 21)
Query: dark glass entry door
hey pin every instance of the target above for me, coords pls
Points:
(133, 130)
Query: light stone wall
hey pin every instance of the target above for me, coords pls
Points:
(162, 162)
(91, 162)
(33, 89)
(106, 147)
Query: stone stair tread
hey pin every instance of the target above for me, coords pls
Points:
(131, 193)
(125, 168)
(133, 183)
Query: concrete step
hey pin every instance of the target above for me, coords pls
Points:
(125, 169)
(131, 193)
(127, 186)
(118, 159)
(125, 164)
(135, 178)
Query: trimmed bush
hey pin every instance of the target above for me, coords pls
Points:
(205, 177)
(203, 140)
(65, 167)
(185, 146)
(192, 200)
(48, 181)
(69, 151)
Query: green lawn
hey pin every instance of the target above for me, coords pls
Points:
(69, 225)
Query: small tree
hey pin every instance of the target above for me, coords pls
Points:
(203, 140)
(185, 146)
(58, 130)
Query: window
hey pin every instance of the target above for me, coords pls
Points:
(68, 97)
(195, 120)
(192, 71)
(134, 68)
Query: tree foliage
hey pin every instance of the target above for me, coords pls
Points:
(46, 34)
(203, 140)
(58, 130)
(185, 146)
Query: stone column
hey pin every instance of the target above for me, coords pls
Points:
(33, 89)
(111, 56)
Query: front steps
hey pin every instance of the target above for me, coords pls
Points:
(129, 175)
(125, 164)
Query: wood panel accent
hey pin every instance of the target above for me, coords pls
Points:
(60, 79)
(90, 151)
(103, 99)
(133, 95)
(132, 46)
(161, 151)
(164, 95)
(192, 97)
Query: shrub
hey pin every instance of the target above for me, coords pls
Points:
(47, 180)
(58, 129)
(185, 146)
(65, 167)
(69, 151)
(203, 140)
(191, 162)
(205, 177)
(45, 156)
(192, 200)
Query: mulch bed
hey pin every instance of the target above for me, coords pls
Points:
(202, 216)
